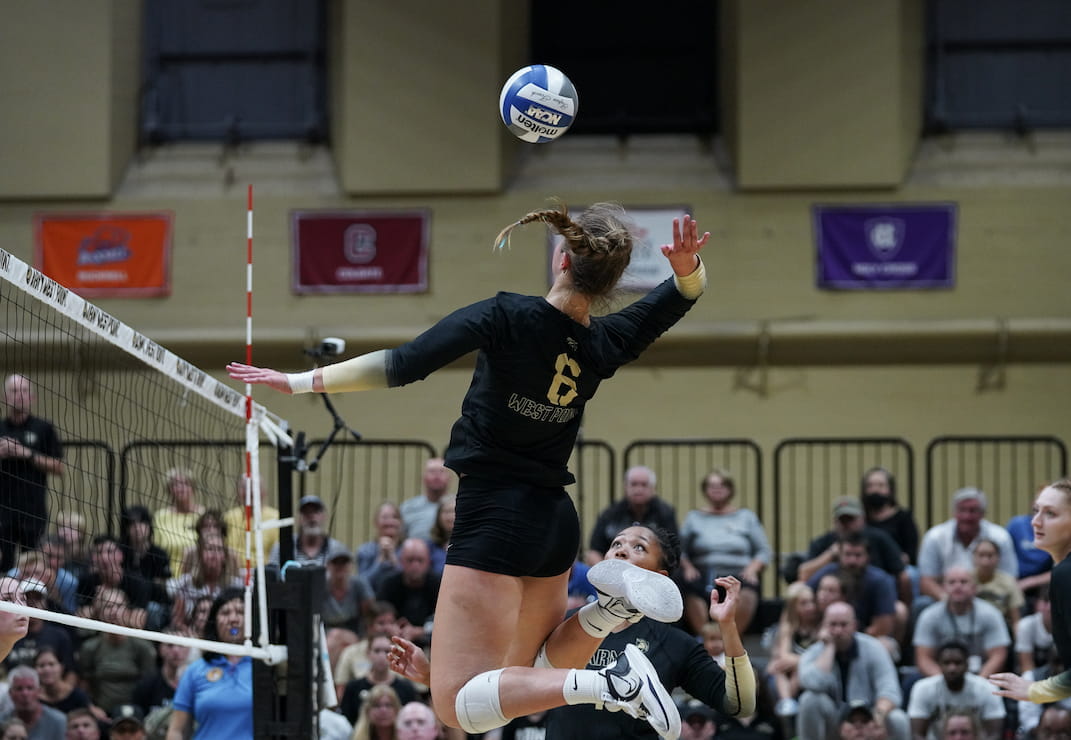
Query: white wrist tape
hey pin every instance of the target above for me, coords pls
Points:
(300, 382)
(692, 286)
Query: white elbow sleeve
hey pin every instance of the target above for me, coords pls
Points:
(362, 373)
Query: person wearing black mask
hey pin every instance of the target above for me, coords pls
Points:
(884, 512)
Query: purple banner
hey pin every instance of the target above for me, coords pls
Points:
(891, 247)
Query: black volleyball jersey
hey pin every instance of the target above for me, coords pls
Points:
(678, 659)
(536, 370)
(1060, 595)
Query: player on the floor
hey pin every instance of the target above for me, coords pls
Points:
(678, 658)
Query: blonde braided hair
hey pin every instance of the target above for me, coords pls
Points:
(599, 241)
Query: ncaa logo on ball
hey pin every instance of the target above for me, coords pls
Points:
(538, 103)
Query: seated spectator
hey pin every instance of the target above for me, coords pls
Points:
(41, 635)
(32, 566)
(962, 723)
(722, 539)
(202, 607)
(73, 536)
(995, 586)
(641, 505)
(66, 580)
(1055, 723)
(311, 540)
(106, 571)
(934, 696)
(884, 512)
(857, 722)
(234, 521)
(40, 721)
(338, 639)
(417, 721)
(418, 512)
(414, 591)
(145, 562)
(174, 524)
(713, 642)
(884, 553)
(128, 722)
(379, 712)
(157, 689)
(111, 665)
(831, 589)
(963, 617)
(1033, 638)
(952, 542)
(796, 631)
(13, 729)
(378, 558)
(82, 725)
(348, 597)
(210, 522)
(846, 666)
(63, 588)
(212, 572)
(59, 691)
(439, 537)
(871, 591)
(354, 662)
(379, 674)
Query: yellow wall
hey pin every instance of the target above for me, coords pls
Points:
(413, 102)
(69, 78)
(823, 90)
(839, 363)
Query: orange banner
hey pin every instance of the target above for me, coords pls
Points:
(106, 254)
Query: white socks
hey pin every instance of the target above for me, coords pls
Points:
(583, 687)
(597, 620)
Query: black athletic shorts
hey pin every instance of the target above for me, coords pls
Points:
(514, 529)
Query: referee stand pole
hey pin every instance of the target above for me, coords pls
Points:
(284, 696)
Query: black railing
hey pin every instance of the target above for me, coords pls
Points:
(1010, 470)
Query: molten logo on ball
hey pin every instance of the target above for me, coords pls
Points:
(538, 103)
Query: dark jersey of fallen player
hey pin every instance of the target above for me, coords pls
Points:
(679, 661)
(535, 372)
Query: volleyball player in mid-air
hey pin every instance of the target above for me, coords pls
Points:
(500, 647)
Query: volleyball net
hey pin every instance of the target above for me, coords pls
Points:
(106, 430)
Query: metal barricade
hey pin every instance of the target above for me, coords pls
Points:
(594, 463)
(1010, 470)
(810, 473)
(355, 477)
(87, 485)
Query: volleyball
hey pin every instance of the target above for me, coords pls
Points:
(538, 103)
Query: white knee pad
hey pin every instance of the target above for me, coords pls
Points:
(542, 661)
(477, 705)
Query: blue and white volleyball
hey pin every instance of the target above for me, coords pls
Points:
(538, 103)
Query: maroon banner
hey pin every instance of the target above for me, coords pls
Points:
(360, 251)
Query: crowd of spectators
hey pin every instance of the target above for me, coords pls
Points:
(884, 631)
